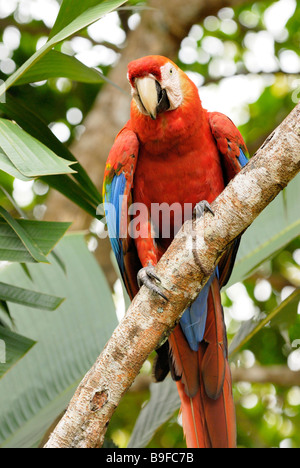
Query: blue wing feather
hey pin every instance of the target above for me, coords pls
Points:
(113, 206)
(242, 158)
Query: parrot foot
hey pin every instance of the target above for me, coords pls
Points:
(202, 207)
(146, 276)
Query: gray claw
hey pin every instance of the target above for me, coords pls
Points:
(146, 276)
(201, 207)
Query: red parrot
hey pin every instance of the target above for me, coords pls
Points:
(173, 151)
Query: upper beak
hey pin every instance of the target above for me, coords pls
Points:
(147, 90)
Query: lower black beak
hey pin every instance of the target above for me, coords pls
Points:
(162, 99)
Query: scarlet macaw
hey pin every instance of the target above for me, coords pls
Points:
(174, 151)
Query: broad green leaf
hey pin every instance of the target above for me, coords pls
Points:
(6, 184)
(164, 401)
(28, 243)
(281, 316)
(277, 225)
(29, 298)
(55, 65)
(90, 11)
(12, 348)
(7, 166)
(83, 191)
(32, 122)
(69, 11)
(6, 320)
(69, 340)
(4, 307)
(43, 234)
(30, 157)
(87, 17)
(75, 192)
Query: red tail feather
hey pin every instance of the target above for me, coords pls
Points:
(185, 362)
(220, 416)
(208, 414)
(214, 359)
(193, 419)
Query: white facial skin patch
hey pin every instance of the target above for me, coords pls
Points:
(170, 82)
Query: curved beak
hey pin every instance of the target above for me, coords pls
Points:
(147, 90)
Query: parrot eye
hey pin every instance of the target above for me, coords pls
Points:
(171, 71)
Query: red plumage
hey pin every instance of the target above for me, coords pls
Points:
(184, 155)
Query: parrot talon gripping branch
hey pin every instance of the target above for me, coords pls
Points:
(172, 152)
(202, 207)
(145, 277)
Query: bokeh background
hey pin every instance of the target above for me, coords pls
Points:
(244, 57)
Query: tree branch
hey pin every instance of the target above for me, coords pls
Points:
(277, 375)
(185, 267)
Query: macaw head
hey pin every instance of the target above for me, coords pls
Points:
(157, 85)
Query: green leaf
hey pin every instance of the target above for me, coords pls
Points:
(32, 123)
(90, 12)
(56, 65)
(77, 22)
(164, 401)
(281, 316)
(7, 166)
(30, 157)
(29, 298)
(69, 11)
(4, 307)
(12, 348)
(75, 192)
(28, 243)
(25, 269)
(277, 225)
(42, 234)
(69, 340)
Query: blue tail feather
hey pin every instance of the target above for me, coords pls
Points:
(193, 320)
